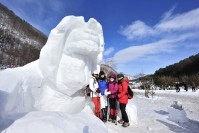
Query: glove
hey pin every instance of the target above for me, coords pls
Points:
(100, 94)
(106, 92)
(98, 90)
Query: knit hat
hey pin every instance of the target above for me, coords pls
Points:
(101, 73)
(112, 76)
(95, 72)
(120, 75)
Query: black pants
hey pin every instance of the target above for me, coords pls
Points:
(123, 112)
(113, 103)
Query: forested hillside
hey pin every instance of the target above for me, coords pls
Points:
(186, 71)
(20, 43)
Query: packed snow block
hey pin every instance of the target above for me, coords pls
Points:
(22, 86)
(89, 106)
(177, 113)
(131, 111)
(57, 122)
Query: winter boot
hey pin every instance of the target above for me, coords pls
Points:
(125, 124)
(121, 121)
(110, 117)
(113, 119)
(106, 111)
(104, 119)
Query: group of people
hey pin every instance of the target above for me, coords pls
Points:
(179, 84)
(106, 91)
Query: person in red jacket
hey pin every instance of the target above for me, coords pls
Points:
(122, 96)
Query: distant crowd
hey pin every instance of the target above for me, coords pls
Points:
(178, 85)
(5, 66)
(106, 91)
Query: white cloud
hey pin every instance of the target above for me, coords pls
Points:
(167, 15)
(182, 29)
(136, 52)
(43, 12)
(144, 51)
(108, 51)
(168, 25)
(180, 22)
(136, 30)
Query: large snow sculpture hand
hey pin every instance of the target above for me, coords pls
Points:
(73, 50)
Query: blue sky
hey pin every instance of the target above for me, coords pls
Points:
(140, 36)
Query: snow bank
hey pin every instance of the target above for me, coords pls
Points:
(57, 122)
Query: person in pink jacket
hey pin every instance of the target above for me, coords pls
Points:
(122, 96)
(112, 89)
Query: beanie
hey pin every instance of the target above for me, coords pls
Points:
(101, 73)
(112, 76)
(120, 75)
(95, 72)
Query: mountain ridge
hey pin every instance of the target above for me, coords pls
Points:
(20, 42)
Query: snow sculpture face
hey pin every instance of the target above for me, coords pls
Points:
(73, 50)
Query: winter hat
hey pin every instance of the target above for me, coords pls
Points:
(112, 76)
(102, 77)
(101, 73)
(95, 72)
(120, 75)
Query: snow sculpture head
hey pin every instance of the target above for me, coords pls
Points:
(73, 50)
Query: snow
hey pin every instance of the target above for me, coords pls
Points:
(56, 122)
(46, 95)
(152, 116)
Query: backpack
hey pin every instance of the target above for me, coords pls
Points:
(87, 90)
(130, 93)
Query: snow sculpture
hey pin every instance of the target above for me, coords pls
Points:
(53, 82)
(77, 51)
(177, 113)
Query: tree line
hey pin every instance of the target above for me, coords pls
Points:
(20, 42)
(186, 71)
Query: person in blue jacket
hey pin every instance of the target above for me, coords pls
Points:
(103, 85)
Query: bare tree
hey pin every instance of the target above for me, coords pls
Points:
(111, 62)
(110, 66)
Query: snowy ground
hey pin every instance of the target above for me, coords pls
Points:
(153, 113)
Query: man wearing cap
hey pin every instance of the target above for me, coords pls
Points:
(122, 96)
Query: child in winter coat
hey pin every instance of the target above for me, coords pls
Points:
(112, 91)
(102, 82)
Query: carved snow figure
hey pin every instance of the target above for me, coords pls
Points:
(52, 83)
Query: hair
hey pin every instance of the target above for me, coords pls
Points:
(102, 73)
